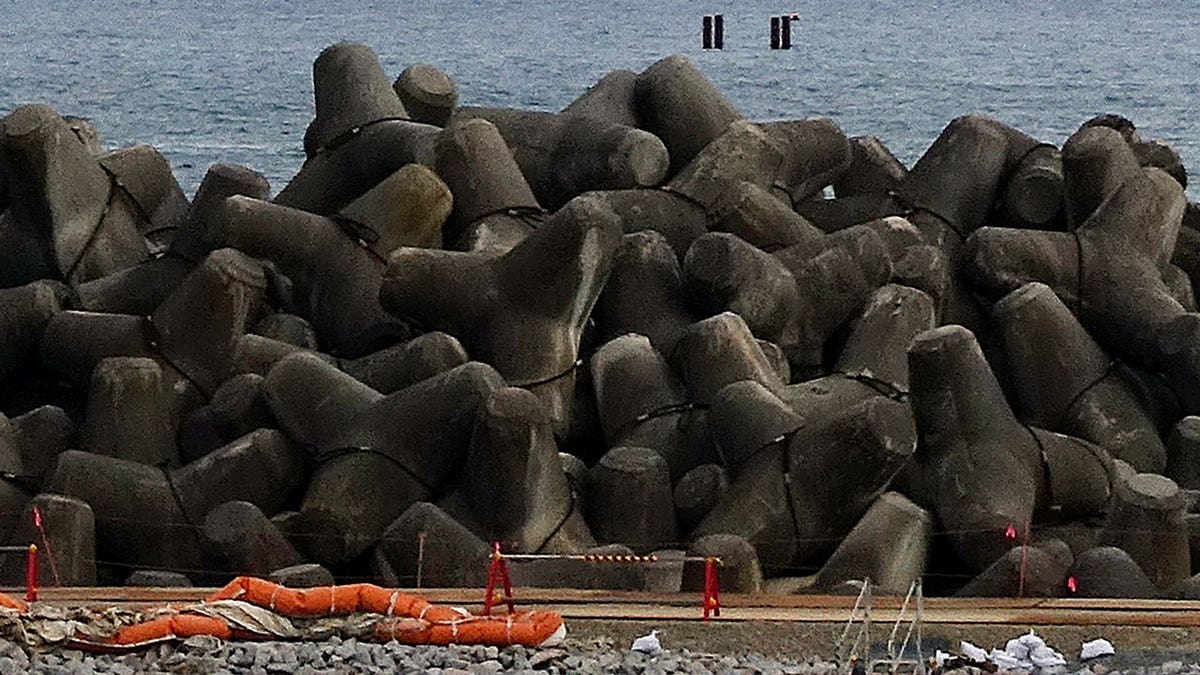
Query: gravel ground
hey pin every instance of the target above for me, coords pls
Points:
(350, 656)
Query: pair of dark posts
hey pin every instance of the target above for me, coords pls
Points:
(713, 31)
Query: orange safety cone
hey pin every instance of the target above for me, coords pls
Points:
(497, 573)
(712, 589)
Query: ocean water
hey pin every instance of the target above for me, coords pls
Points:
(230, 80)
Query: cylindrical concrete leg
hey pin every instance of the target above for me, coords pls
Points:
(247, 541)
(644, 293)
(1183, 453)
(1109, 572)
(129, 415)
(889, 545)
(677, 103)
(718, 351)
(428, 94)
(394, 368)
(425, 541)
(1146, 520)
(67, 554)
(698, 492)
(639, 399)
(630, 501)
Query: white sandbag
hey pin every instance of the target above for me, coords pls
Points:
(972, 652)
(1095, 649)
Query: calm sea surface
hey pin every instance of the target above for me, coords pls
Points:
(230, 80)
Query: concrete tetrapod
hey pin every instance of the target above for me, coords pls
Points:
(192, 334)
(742, 153)
(529, 321)
(1064, 382)
(718, 351)
(746, 417)
(873, 361)
(386, 371)
(40, 436)
(361, 134)
(139, 289)
(563, 156)
(836, 276)
(196, 327)
(1037, 571)
(410, 443)
(337, 263)
(760, 218)
(698, 492)
(145, 177)
(513, 480)
(815, 154)
(986, 471)
(237, 407)
(1124, 244)
(1183, 453)
(64, 205)
(13, 493)
(303, 575)
(799, 496)
(678, 220)
(724, 273)
(873, 169)
(426, 548)
(1109, 572)
(289, 328)
(151, 516)
(739, 571)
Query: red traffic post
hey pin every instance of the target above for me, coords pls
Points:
(712, 589)
(31, 575)
(497, 574)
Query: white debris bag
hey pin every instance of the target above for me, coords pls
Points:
(647, 644)
(972, 652)
(1024, 654)
(1095, 649)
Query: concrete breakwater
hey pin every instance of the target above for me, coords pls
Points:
(642, 324)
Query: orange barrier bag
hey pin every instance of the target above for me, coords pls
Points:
(10, 602)
(330, 600)
(176, 626)
(532, 629)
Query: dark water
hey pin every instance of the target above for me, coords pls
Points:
(230, 80)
